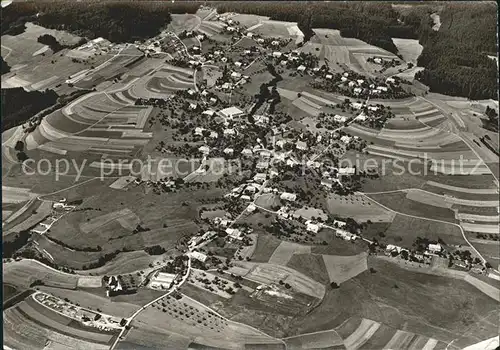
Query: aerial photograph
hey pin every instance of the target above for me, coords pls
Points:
(251, 175)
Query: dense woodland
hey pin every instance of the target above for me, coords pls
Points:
(22, 105)
(117, 21)
(455, 56)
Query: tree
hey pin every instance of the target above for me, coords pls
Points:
(334, 285)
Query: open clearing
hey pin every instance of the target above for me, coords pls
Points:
(343, 268)
(319, 340)
(23, 273)
(123, 216)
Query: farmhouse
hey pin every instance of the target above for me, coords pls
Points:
(234, 233)
(347, 171)
(275, 42)
(238, 64)
(435, 248)
(345, 235)
(390, 80)
(301, 68)
(208, 112)
(329, 76)
(198, 256)
(362, 116)
(343, 79)
(339, 223)
(277, 54)
(301, 145)
(235, 75)
(246, 152)
(260, 177)
(229, 132)
(231, 112)
(393, 248)
(288, 196)
(261, 119)
(228, 151)
(204, 149)
(358, 90)
(312, 227)
(357, 105)
(199, 131)
(339, 118)
(249, 34)
(162, 280)
(382, 88)
(346, 139)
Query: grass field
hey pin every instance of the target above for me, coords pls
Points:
(404, 230)
(23, 273)
(285, 251)
(266, 245)
(369, 295)
(398, 201)
(322, 340)
(343, 268)
(359, 208)
(312, 265)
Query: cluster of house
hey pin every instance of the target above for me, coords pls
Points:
(432, 249)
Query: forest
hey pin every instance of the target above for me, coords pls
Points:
(117, 21)
(455, 57)
(22, 105)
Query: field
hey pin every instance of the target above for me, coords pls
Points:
(198, 323)
(125, 217)
(312, 265)
(94, 299)
(270, 273)
(322, 340)
(266, 245)
(343, 268)
(23, 273)
(358, 208)
(410, 297)
(16, 194)
(31, 325)
(285, 251)
(404, 230)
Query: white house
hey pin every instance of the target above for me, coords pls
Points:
(249, 34)
(377, 60)
(343, 79)
(382, 88)
(346, 139)
(235, 75)
(199, 131)
(261, 119)
(351, 83)
(288, 196)
(339, 223)
(204, 149)
(357, 105)
(435, 248)
(301, 145)
(229, 132)
(260, 40)
(346, 171)
(208, 112)
(277, 54)
(234, 233)
(358, 90)
(312, 227)
(339, 118)
(260, 177)
(223, 59)
(390, 80)
(301, 68)
(198, 256)
(373, 108)
(362, 116)
(214, 134)
(230, 112)
(228, 151)
(275, 43)
(193, 106)
(360, 81)
(238, 64)
(247, 152)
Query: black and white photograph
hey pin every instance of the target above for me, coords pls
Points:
(250, 175)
